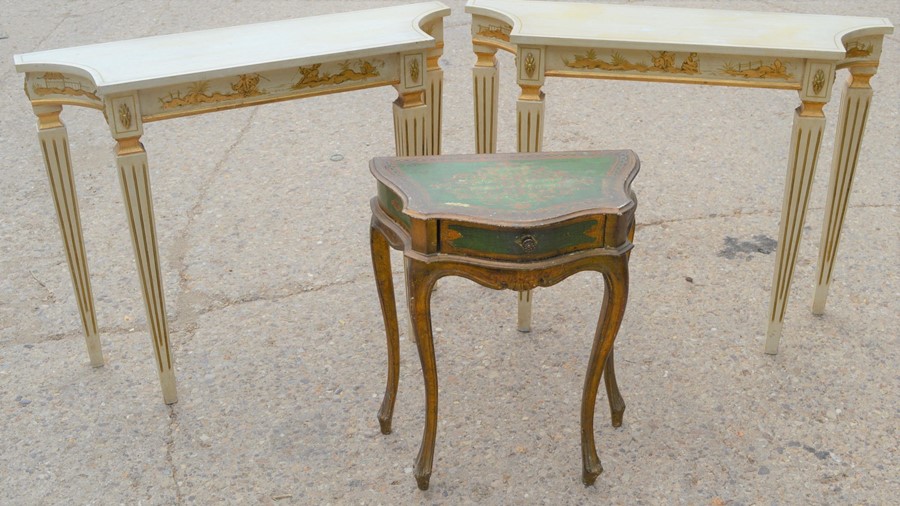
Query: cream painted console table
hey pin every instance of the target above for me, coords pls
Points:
(798, 52)
(156, 78)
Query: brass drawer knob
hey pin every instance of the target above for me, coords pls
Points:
(527, 242)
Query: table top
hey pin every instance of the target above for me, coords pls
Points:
(511, 188)
(208, 54)
(678, 29)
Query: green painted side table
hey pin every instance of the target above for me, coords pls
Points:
(512, 221)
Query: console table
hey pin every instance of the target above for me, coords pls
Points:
(799, 52)
(156, 78)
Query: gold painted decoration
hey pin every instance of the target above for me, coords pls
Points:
(661, 61)
(818, 81)
(56, 83)
(530, 65)
(414, 70)
(859, 50)
(757, 70)
(494, 32)
(125, 115)
(247, 85)
(312, 78)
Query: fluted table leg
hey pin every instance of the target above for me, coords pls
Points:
(134, 177)
(851, 123)
(54, 141)
(806, 138)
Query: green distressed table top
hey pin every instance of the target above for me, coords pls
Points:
(512, 188)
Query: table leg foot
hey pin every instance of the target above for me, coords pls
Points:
(423, 480)
(773, 336)
(590, 472)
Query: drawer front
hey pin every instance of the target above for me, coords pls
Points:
(520, 243)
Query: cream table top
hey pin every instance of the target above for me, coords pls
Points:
(162, 60)
(677, 29)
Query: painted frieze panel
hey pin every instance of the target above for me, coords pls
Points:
(865, 49)
(262, 87)
(684, 66)
(61, 88)
(493, 32)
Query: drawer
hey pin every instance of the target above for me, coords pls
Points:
(526, 243)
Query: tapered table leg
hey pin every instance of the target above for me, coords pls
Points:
(806, 137)
(419, 285)
(135, 180)
(55, 147)
(854, 111)
(381, 262)
(611, 313)
(530, 131)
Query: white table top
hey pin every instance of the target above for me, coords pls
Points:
(208, 54)
(677, 29)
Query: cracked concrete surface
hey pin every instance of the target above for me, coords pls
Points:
(277, 333)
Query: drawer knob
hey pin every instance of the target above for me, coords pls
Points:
(527, 242)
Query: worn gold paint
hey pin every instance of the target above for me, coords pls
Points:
(47, 120)
(494, 32)
(857, 50)
(125, 115)
(510, 48)
(775, 70)
(485, 60)
(531, 92)
(264, 99)
(813, 109)
(246, 85)
(656, 78)
(413, 98)
(129, 146)
(861, 80)
(530, 65)
(661, 61)
(311, 77)
(414, 70)
(818, 81)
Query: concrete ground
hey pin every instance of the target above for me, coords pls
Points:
(263, 229)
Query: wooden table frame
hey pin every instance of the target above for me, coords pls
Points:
(559, 39)
(137, 81)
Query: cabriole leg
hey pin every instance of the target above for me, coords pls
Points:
(611, 313)
(851, 123)
(55, 148)
(135, 180)
(419, 286)
(806, 137)
(381, 262)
